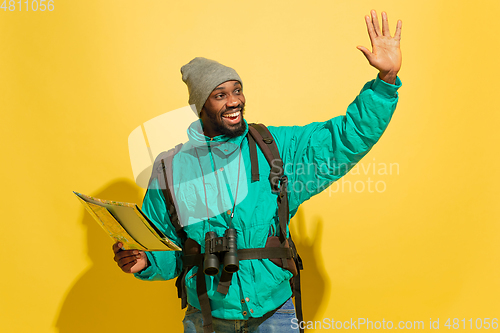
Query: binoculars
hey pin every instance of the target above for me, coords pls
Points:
(220, 247)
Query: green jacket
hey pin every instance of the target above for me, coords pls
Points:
(216, 174)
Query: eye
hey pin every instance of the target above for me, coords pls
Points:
(219, 96)
(238, 91)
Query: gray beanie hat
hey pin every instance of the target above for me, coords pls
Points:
(202, 76)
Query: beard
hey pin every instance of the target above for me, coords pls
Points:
(220, 126)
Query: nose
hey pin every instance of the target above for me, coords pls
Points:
(232, 100)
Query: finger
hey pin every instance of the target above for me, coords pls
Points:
(385, 25)
(397, 35)
(375, 23)
(128, 267)
(125, 254)
(371, 30)
(117, 247)
(127, 261)
(369, 56)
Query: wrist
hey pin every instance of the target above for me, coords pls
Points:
(389, 77)
(146, 264)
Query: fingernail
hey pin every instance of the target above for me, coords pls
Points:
(136, 252)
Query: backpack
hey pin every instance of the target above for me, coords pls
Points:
(279, 249)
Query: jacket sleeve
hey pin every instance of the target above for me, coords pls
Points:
(318, 154)
(163, 265)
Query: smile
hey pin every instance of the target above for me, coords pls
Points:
(233, 116)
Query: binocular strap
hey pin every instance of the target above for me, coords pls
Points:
(224, 282)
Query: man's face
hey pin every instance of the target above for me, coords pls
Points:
(223, 111)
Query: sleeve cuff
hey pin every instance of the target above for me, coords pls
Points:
(386, 89)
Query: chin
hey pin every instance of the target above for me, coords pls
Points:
(235, 130)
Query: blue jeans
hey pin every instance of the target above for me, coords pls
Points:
(279, 321)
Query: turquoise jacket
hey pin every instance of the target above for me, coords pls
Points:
(211, 176)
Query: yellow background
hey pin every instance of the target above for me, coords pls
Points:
(76, 81)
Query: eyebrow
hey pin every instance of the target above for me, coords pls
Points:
(221, 88)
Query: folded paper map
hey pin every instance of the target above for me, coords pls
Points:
(126, 223)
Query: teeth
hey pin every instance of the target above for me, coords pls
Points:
(234, 114)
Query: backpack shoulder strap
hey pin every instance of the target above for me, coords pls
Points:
(162, 171)
(260, 135)
(279, 182)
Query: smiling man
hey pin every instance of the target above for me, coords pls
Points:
(209, 172)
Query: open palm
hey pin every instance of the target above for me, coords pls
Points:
(386, 53)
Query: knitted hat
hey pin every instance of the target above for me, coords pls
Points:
(202, 76)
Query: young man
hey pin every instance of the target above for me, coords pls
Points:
(215, 192)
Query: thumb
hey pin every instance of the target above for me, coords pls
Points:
(366, 52)
(117, 247)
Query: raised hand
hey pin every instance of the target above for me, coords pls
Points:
(386, 53)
